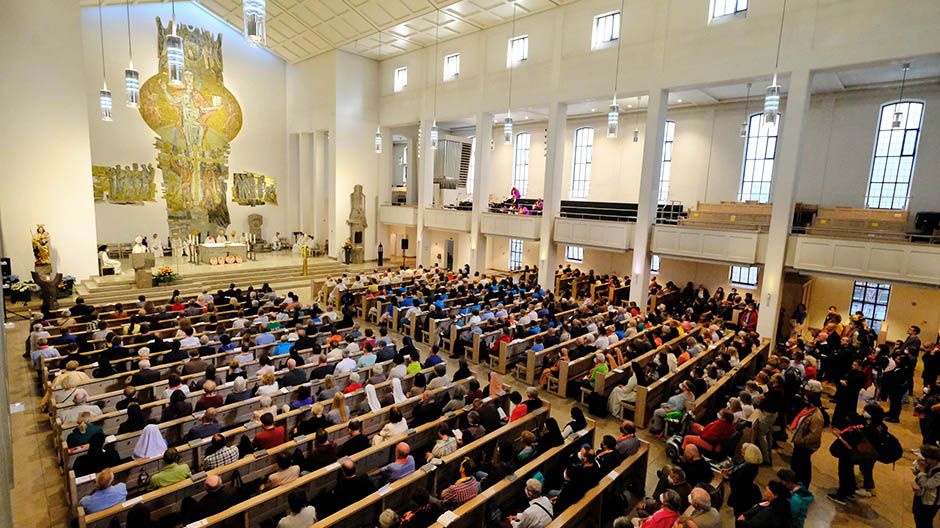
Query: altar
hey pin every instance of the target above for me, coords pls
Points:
(217, 251)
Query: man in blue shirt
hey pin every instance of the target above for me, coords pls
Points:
(403, 465)
(264, 338)
(282, 348)
(107, 493)
(434, 358)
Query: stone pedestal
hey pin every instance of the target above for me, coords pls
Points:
(44, 269)
(143, 266)
(357, 256)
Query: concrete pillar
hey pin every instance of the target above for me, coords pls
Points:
(482, 169)
(551, 194)
(656, 111)
(384, 194)
(310, 207)
(784, 197)
(425, 176)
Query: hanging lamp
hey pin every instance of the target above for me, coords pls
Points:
(175, 60)
(613, 114)
(772, 94)
(378, 128)
(507, 123)
(747, 98)
(898, 115)
(636, 121)
(104, 95)
(131, 76)
(437, 41)
(254, 15)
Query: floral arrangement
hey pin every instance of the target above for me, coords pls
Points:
(164, 275)
(28, 286)
(67, 283)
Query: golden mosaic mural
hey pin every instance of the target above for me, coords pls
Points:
(130, 184)
(253, 189)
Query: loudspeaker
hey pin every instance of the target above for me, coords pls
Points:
(6, 269)
(404, 244)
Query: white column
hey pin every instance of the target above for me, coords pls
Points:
(307, 155)
(482, 169)
(425, 176)
(649, 189)
(784, 197)
(384, 194)
(551, 194)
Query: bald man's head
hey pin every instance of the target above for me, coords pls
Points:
(700, 499)
(402, 450)
(213, 482)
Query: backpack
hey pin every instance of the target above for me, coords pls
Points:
(888, 448)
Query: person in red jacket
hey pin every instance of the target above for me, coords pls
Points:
(748, 318)
(519, 410)
(709, 437)
(667, 513)
(270, 435)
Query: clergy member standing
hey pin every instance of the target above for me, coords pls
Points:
(381, 252)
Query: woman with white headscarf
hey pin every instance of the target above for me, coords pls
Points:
(372, 398)
(150, 444)
(397, 393)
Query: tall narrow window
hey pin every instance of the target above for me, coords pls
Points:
(606, 29)
(722, 8)
(515, 254)
(871, 298)
(404, 165)
(518, 50)
(473, 157)
(520, 163)
(654, 264)
(666, 171)
(892, 164)
(401, 79)
(581, 172)
(744, 276)
(760, 149)
(574, 254)
(451, 66)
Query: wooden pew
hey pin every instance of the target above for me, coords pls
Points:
(650, 397)
(707, 404)
(605, 384)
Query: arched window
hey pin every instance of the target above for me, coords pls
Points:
(581, 172)
(520, 163)
(760, 149)
(892, 164)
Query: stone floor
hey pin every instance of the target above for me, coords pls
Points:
(39, 494)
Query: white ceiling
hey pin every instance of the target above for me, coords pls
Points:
(300, 29)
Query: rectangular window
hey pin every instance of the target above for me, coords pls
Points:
(574, 254)
(581, 172)
(451, 66)
(760, 149)
(666, 170)
(473, 155)
(744, 276)
(892, 164)
(722, 8)
(871, 298)
(518, 50)
(606, 29)
(520, 163)
(401, 79)
(654, 264)
(515, 254)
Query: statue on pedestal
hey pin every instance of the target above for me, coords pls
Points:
(357, 224)
(48, 290)
(254, 225)
(41, 251)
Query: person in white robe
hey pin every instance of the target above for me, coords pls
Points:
(139, 246)
(108, 262)
(155, 246)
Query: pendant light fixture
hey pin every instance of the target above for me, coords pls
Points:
(437, 42)
(507, 123)
(104, 95)
(175, 61)
(636, 121)
(747, 99)
(131, 76)
(254, 15)
(898, 115)
(378, 128)
(772, 95)
(613, 114)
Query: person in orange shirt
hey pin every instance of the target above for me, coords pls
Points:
(520, 408)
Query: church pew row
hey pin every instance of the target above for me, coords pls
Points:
(437, 327)
(509, 353)
(152, 410)
(450, 331)
(603, 385)
(273, 503)
(260, 464)
(175, 431)
(435, 479)
(708, 403)
(533, 359)
(617, 376)
(570, 371)
(606, 501)
(451, 305)
(488, 338)
(649, 398)
(473, 513)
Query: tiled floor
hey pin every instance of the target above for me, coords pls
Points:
(39, 494)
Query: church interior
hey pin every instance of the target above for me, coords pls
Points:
(470, 263)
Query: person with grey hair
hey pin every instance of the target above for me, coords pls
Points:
(538, 513)
(674, 403)
(703, 514)
(144, 375)
(378, 375)
(70, 415)
(347, 364)
(440, 377)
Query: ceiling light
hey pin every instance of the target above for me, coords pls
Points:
(131, 76)
(378, 140)
(636, 123)
(742, 131)
(175, 60)
(613, 113)
(254, 11)
(594, 110)
(678, 100)
(613, 119)
(104, 95)
(772, 95)
(507, 124)
(507, 130)
(434, 134)
(898, 115)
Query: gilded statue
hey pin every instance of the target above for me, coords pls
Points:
(41, 246)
